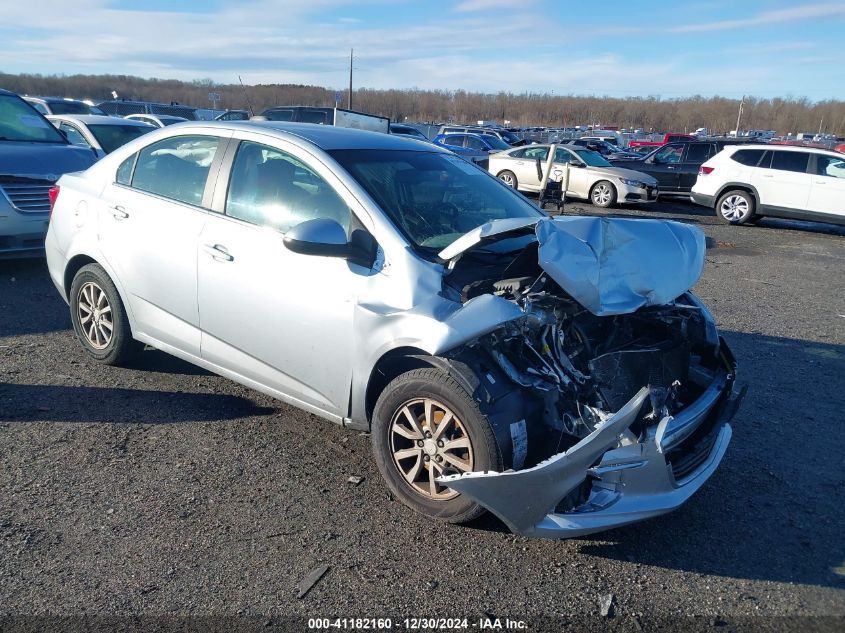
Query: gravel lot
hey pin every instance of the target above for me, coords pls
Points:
(162, 490)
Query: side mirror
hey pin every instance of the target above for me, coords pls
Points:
(575, 163)
(326, 238)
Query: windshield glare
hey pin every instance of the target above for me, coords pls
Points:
(433, 198)
(21, 122)
(110, 137)
(495, 141)
(72, 107)
(593, 159)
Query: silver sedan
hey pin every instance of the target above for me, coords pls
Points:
(555, 372)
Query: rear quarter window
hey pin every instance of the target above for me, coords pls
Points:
(749, 157)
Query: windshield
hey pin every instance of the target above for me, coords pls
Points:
(495, 141)
(593, 159)
(510, 137)
(433, 198)
(110, 137)
(21, 122)
(170, 120)
(73, 107)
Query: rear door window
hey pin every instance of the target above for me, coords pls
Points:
(698, 152)
(176, 168)
(790, 161)
(830, 166)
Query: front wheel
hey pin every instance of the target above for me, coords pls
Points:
(509, 178)
(99, 318)
(736, 207)
(425, 425)
(603, 194)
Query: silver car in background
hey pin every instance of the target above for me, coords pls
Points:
(591, 177)
(101, 134)
(388, 285)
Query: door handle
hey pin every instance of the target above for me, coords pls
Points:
(519, 162)
(219, 252)
(768, 175)
(118, 212)
(819, 182)
(669, 167)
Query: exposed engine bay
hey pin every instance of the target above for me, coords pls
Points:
(560, 371)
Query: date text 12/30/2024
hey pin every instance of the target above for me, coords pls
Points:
(417, 624)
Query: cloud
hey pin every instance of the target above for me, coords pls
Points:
(767, 18)
(486, 5)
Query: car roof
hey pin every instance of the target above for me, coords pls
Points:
(98, 119)
(327, 137)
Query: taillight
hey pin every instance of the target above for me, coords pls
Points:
(703, 171)
(53, 194)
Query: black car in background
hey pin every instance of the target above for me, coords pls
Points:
(675, 165)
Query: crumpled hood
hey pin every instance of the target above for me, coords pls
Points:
(44, 161)
(618, 265)
(608, 265)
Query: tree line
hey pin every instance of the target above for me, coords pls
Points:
(718, 114)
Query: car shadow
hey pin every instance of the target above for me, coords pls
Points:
(54, 403)
(771, 511)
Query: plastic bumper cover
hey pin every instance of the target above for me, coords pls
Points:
(627, 484)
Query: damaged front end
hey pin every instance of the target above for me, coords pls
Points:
(604, 416)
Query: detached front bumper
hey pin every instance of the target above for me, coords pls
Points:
(626, 483)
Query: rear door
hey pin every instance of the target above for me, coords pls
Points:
(526, 167)
(783, 180)
(150, 219)
(695, 155)
(827, 191)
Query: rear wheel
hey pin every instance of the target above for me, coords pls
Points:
(603, 194)
(99, 318)
(425, 425)
(509, 178)
(736, 207)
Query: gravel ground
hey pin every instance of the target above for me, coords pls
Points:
(163, 490)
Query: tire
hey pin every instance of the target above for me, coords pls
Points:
(509, 178)
(736, 207)
(92, 288)
(603, 194)
(409, 477)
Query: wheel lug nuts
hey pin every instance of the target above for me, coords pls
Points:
(440, 443)
(427, 458)
(420, 443)
(437, 458)
(428, 433)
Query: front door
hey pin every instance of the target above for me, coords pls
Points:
(827, 192)
(279, 318)
(664, 165)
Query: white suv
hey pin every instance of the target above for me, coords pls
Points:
(744, 182)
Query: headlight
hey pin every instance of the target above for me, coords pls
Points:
(633, 183)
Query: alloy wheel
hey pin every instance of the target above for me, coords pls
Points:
(427, 440)
(95, 316)
(507, 179)
(734, 208)
(602, 194)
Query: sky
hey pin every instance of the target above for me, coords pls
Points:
(619, 48)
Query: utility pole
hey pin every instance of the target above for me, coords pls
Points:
(739, 116)
(820, 126)
(349, 102)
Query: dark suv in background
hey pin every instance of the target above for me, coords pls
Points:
(675, 165)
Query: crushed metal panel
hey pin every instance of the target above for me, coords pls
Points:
(618, 265)
(521, 499)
